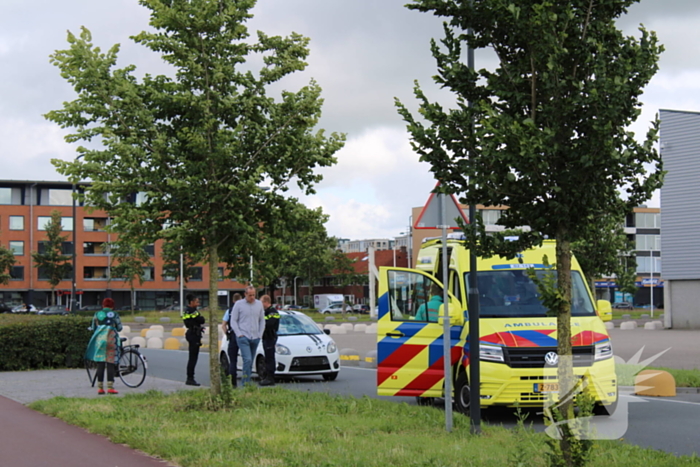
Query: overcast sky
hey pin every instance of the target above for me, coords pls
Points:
(363, 54)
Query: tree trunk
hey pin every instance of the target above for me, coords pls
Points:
(565, 370)
(214, 372)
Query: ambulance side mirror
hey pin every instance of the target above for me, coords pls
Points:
(604, 310)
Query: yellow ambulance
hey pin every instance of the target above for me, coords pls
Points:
(518, 341)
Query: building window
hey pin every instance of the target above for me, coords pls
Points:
(148, 273)
(17, 248)
(95, 248)
(43, 276)
(490, 216)
(648, 220)
(196, 274)
(66, 223)
(5, 195)
(648, 242)
(221, 274)
(66, 248)
(17, 273)
(16, 222)
(649, 264)
(60, 197)
(150, 250)
(94, 224)
(95, 273)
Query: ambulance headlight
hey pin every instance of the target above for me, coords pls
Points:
(491, 353)
(282, 349)
(603, 351)
(330, 348)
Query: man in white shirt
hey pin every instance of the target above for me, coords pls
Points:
(248, 324)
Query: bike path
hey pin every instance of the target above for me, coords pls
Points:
(32, 439)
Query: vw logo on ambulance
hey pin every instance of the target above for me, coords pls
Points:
(551, 358)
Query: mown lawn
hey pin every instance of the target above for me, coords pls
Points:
(281, 427)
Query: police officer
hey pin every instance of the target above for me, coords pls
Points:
(272, 324)
(194, 321)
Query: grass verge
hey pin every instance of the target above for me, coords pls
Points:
(281, 427)
(684, 378)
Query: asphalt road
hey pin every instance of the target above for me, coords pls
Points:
(668, 424)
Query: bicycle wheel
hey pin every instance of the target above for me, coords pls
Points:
(132, 368)
(91, 368)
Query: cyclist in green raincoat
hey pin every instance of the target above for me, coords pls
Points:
(105, 345)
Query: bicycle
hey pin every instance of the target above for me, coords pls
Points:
(131, 367)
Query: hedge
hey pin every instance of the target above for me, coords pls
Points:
(43, 342)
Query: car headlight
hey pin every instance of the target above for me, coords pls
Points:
(331, 347)
(603, 351)
(282, 349)
(491, 353)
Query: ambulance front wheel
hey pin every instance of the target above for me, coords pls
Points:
(462, 399)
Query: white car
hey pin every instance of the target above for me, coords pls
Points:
(23, 309)
(302, 349)
(336, 309)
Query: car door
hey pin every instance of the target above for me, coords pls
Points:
(410, 342)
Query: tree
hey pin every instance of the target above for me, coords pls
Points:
(200, 144)
(130, 260)
(545, 132)
(605, 250)
(7, 260)
(54, 263)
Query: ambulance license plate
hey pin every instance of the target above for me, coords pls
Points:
(546, 387)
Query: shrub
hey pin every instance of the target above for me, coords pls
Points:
(44, 342)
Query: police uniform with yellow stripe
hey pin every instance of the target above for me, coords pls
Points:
(272, 324)
(194, 321)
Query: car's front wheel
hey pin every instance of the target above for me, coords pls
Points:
(260, 368)
(223, 360)
(462, 395)
(330, 376)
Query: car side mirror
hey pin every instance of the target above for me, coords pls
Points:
(327, 332)
(604, 310)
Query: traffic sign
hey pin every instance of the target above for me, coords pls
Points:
(431, 215)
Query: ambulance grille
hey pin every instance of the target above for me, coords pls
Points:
(533, 357)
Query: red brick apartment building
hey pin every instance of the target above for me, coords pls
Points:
(25, 209)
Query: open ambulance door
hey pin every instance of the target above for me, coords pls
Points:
(410, 334)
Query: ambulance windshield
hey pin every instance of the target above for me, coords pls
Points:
(509, 293)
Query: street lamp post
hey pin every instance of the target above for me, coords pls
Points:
(295, 290)
(410, 240)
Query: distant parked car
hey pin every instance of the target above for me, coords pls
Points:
(292, 307)
(336, 309)
(173, 307)
(4, 308)
(363, 309)
(91, 308)
(623, 306)
(128, 308)
(54, 310)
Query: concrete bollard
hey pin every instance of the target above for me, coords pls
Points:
(338, 330)
(371, 329)
(158, 327)
(626, 316)
(643, 316)
(348, 326)
(360, 327)
(138, 340)
(184, 345)
(654, 383)
(628, 325)
(370, 359)
(172, 343)
(126, 329)
(329, 318)
(139, 319)
(609, 325)
(653, 325)
(153, 333)
(165, 319)
(154, 343)
(349, 357)
(179, 332)
(352, 318)
(144, 331)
